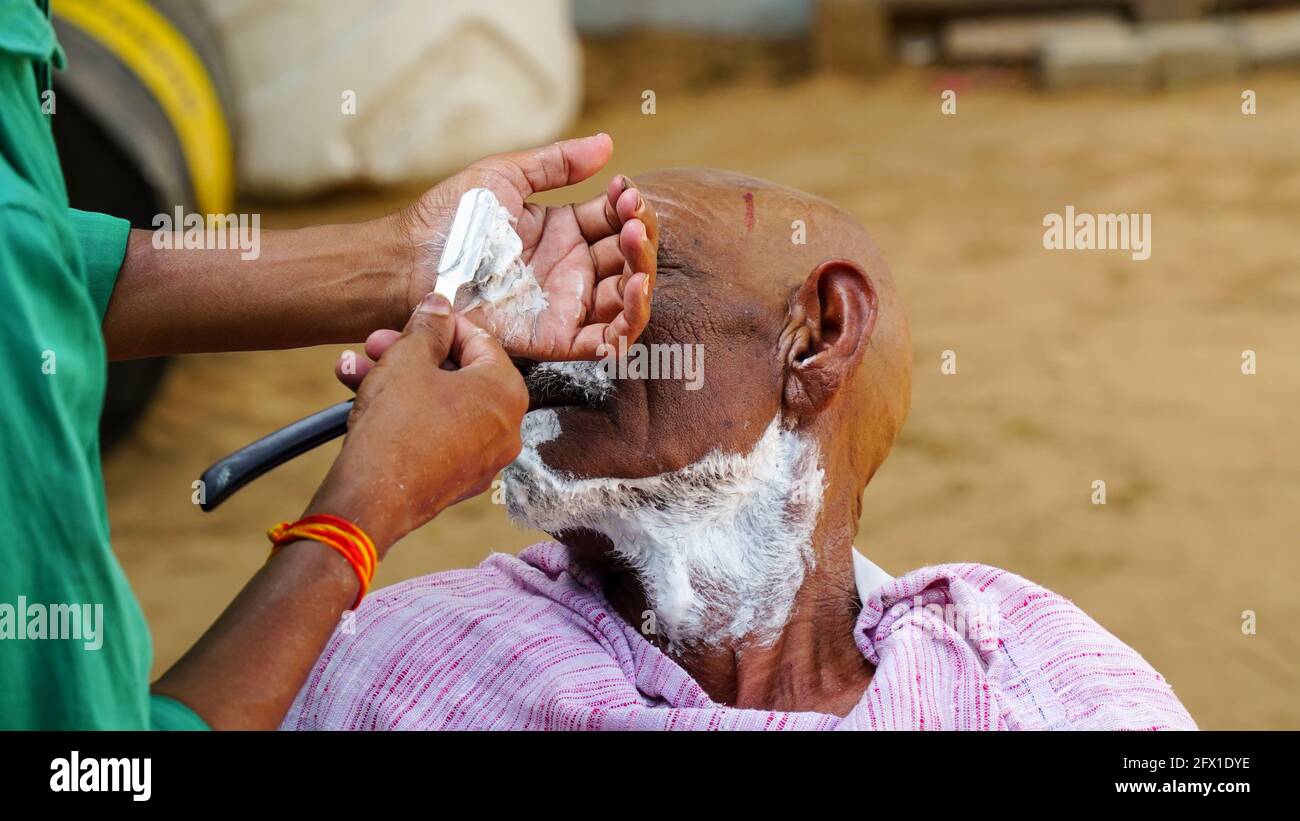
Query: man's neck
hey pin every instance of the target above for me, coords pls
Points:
(813, 666)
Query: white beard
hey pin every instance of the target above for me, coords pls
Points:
(721, 546)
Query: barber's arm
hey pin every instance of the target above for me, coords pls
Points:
(337, 283)
(420, 438)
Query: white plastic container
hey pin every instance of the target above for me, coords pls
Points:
(434, 84)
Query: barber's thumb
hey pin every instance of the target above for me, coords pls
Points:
(433, 324)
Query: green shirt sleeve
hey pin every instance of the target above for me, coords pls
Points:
(169, 714)
(103, 247)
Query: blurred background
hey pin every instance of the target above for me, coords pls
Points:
(1072, 367)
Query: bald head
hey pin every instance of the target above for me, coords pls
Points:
(796, 314)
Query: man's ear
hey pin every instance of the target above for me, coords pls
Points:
(832, 316)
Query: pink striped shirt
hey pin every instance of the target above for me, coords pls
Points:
(530, 642)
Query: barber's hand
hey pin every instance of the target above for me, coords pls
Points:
(595, 260)
(435, 419)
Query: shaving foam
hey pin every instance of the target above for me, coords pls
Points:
(502, 279)
(720, 546)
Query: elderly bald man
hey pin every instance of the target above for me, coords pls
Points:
(703, 574)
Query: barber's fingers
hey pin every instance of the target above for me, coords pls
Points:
(639, 249)
(607, 302)
(350, 369)
(452, 339)
(627, 323)
(428, 334)
(636, 310)
(636, 248)
(474, 347)
(607, 257)
(482, 359)
(630, 207)
(628, 252)
(598, 217)
(553, 166)
(638, 240)
(635, 255)
(380, 341)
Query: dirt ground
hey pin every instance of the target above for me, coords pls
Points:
(1072, 367)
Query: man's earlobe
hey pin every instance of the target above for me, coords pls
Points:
(832, 316)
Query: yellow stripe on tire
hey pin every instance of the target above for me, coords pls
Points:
(160, 56)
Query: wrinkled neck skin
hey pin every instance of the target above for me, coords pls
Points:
(739, 565)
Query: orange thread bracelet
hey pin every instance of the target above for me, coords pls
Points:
(339, 534)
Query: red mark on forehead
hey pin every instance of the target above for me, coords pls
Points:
(749, 211)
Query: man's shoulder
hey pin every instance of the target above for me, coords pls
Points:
(1056, 666)
(422, 652)
(499, 579)
(499, 574)
(990, 592)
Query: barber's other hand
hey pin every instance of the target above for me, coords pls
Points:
(435, 419)
(595, 260)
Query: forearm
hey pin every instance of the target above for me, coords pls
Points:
(308, 286)
(247, 668)
(245, 671)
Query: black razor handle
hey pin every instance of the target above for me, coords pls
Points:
(249, 462)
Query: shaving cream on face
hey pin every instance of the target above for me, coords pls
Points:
(720, 546)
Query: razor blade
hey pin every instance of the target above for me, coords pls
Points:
(468, 247)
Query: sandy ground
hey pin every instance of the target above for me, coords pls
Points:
(1072, 367)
